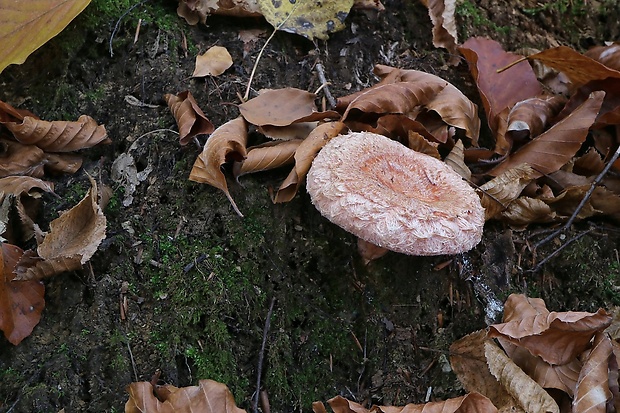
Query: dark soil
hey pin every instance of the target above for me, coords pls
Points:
(199, 280)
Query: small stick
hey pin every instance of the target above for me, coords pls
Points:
(508, 66)
(324, 85)
(118, 22)
(585, 199)
(261, 356)
(133, 362)
(557, 251)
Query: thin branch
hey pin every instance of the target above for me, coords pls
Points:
(261, 356)
(324, 85)
(557, 251)
(118, 22)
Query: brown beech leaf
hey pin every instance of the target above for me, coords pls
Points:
(369, 251)
(578, 68)
(499, 192)
(10, 114)
(278, 107)
(226, 143)
(593, 391)
(453, 107)
(445, 33)
(471, 402)
(602, 202)
(72, 240)
(526, 210)
(588, 164)
(18, 185)
(563, 377)
(498, 90)
(267, 156)
(59, 136)
(607, 55)
(21, 302)
(284, 133)
(395, 127)
(208, 397)
(456, 160)
(213, 62)
(56, 163)
(529, 118)
(191, 120)
(610, 109)
(556, 337)
(418, 143)
(470, 366)
(20, 159)
(529, 394)
(304, 155)
(555, 147)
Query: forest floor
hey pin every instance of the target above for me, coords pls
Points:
(198, 280)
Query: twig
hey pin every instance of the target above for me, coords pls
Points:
(585, 199)
(118, 22)
(133, 362)
(509, 65)
(557, 251)
(324, 85)
(261, 356)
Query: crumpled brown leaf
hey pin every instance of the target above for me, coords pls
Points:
(72, 240)
(608, 55)
(498, 193)
(21, 302)
(445, 33)
(304, 155)
(18, 185)
(267, 156)
(556, 337)
(19, 159)
(208, 397)
(226, 143)
(59, 136)
(190, 118)
(498, 90)
(282, 107)
(592, 393)
(555, 147)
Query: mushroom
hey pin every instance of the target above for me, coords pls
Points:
(394, 197)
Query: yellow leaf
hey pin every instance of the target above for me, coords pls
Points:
(27, 25)
(308, 18)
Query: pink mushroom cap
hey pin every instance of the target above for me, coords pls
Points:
(389, 195)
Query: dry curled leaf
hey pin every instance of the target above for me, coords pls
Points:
(556, 337)
(445, 33)
(369, 251)
(208, 397)
(267, 156)
(59, 136)
(608, 55)
(526, 210)
(592, 393)
(529, 394)
(190, 118)
(498, 90)
(213, 62)
(227, 143)
(20, 159)
(304, 155)
(21, 302)
(499, 192)
(18, 185)
(456, 161)
(418, 143)
(72, 240)
(555, 147)
(529, 118)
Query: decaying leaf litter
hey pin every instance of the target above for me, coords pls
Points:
(428, 127)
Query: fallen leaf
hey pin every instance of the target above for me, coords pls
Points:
(498, 90)
(213, 62)
(609, 114)
(607, 55)
(190, 118)
(72, 240)
(59, 136)
(369, 251)
(308, 18)
(555, 147)
(556, 337)
(456, 161)
(267, 156)
(470, 366)
(56, 163)
(304, 155)
(418, 143)
(529, 118)
(208, 397)
(10, 114)
(282, 107)
(194, 11)
(295, 131)
(18, 185)
(526, 210)
(578, 68)
(592, 393)
(226, 143)
(499, 192)
(445, 33)
(21, 302)
(26, 26)
(20, 159)
(529, 394)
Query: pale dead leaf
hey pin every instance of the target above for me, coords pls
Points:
(593, 392)
(445, 33)
(295, 131)
(227, 143)
(190, 118)
(418, 143)
(267, 156)
(304, 155)
(72, 240)
(20, 159)
(59, 136)
(526, 210)
(529, 394)
(213, 62)
(456, 160)
(499, 192)
(18, 185)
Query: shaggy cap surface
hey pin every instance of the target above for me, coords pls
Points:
(394, 197)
